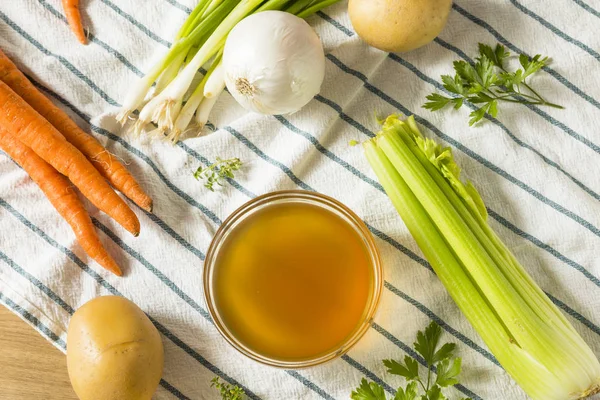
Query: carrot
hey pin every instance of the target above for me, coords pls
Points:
(105, 162)
(63, 197)
(74, 18)
(24, 123)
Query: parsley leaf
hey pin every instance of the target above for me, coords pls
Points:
(409, 394)
(427, 342)
(444, 352)
(497, 55)
(436, 101)
(488, 82)
(409, 370)
(435, 393)
(448, 371)
(368, 391)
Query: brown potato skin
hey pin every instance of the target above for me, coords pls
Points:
(114, 352)
(398, 25)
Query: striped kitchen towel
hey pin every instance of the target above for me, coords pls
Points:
(537, 170)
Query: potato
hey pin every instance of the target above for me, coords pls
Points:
(114, 352)
(398, 25)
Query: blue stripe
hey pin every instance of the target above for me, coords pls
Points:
(496, 122)
(465, 149)
(83, 266)
(420, 359)
(33, 320)
(328, 153)
(545, 247)
(591, 326)
(398, 246)
(164, 279)
(138, 25)
(555, 30)
(333, 22)
(182, 7)
(535, 109)
(61, 59)
(310, 385)
(442, 323)
(345, 117)
(173, 390)
(587, 8)
(178, 238)
(368, 374)
(514, 48)
(92, 38)
(37, 283)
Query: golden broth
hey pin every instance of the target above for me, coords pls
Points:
(293, 281)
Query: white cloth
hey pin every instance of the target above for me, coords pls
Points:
(537, 170)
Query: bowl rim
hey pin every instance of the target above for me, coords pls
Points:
(313, 198)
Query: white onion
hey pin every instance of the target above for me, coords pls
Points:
(273, 62)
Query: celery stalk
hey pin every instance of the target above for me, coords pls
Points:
(528, 335)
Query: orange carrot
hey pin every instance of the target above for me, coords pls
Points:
(105, 162)
(74, 18)
(63, 197)
(24, 123)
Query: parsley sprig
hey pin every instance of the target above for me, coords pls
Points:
(437, 358)
(228, 392)
(217, 172)
(488, 82)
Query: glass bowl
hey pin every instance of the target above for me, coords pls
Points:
(291, 196)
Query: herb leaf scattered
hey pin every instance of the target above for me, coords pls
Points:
(419, 387)
(228, 392)
(488, 82)
(217, 172)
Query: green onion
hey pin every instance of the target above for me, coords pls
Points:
(159, 95)
(529, 336)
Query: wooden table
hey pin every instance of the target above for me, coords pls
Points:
(31, 368)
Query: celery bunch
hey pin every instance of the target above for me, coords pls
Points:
(529, 336)
(169, 96)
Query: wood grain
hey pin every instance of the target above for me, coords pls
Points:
(31, 368)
